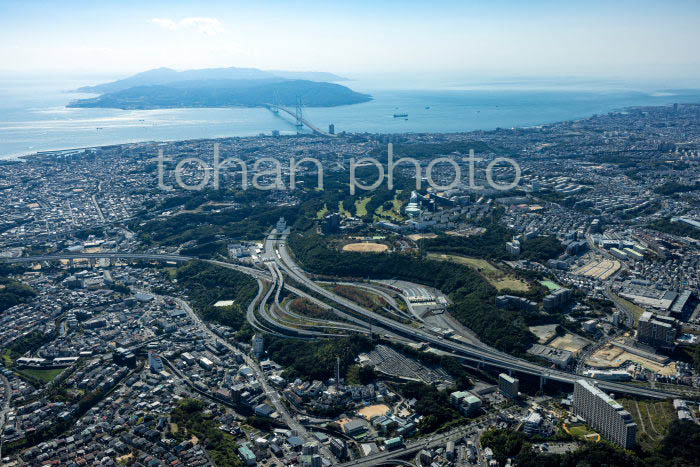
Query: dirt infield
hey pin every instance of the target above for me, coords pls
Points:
(420, 236)
(373, 410)
(366, 247)
(570, 342)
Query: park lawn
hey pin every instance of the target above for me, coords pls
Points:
(491, 273)
(394, 213)
(322, 212)
(342, 210)
(7, 359)
(361, 206)
(45, 376)
(583, 432)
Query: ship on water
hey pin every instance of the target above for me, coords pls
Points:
(400, 115)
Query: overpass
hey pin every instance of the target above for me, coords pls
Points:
(301, 119)
(477, 353)
(411, 448)
(105, 255)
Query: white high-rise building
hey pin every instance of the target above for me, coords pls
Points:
(604, 414)
(508, 385)
(258, 345)
(155, 362)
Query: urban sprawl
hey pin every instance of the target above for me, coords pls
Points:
(395, 326)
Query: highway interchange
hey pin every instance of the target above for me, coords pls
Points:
(278, 260)
(278, 271)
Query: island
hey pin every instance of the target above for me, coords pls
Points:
(220, 87)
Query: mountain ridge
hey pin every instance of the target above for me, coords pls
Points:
(226, 93)
(164, 76)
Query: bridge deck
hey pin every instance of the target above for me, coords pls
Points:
(310, 125)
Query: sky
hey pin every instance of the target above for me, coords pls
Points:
(629, 40)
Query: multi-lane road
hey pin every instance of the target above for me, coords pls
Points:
(477, 353)
(272, 394)
(357, 314)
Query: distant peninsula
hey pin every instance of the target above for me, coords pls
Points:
(220, 87)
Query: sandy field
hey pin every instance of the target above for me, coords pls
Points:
(416, 237)
(544, 332)
(372, 411)
(613, 357)
(366, 247)
(570, 342)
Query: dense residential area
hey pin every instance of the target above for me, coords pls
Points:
(157, 311)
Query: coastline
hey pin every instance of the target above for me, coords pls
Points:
(261, 126)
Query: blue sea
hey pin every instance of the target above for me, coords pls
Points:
(34, 117)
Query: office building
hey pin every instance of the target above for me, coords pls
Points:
(513, 247)
(604, 414)
(339, 448)
(330, 224)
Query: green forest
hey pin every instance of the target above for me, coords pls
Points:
(192, 419)
(206, 284)
(675, 228)
(541, 248)
(13, 293)
(678, 448)
(432, 404)
(473, 298)
(316, 360)
(489, 245)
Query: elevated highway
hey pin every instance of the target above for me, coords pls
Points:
(476, 353)
(105, 255)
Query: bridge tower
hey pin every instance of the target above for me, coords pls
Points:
(297, 113)
(275, 102)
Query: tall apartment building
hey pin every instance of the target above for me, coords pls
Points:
(656, 330)
(155, 362)
(508, 385)
(258, 345)
(604, 414)
(557, 299)
(513, 247)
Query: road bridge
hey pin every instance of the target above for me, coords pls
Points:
(307, 123)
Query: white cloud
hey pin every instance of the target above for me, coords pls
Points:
(165, 23)
(206, 26)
